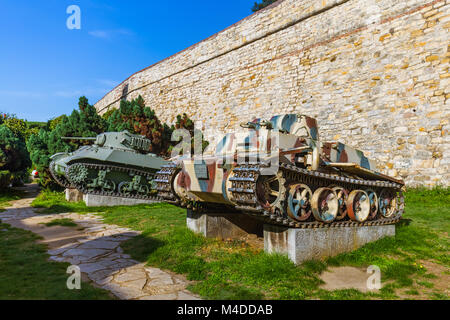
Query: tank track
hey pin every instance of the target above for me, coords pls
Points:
(164, 179)
(62, 181)
(83, 189)
(244, 193)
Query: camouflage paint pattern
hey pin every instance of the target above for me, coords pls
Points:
(296, 136)
(204, 180)
(341, 153)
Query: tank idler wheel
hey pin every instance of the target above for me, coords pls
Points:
(325, 205)
(373, 204)
(299, 202)
(358, 205)
(109, 186)
(342, 195)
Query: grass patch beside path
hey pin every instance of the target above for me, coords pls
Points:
(26, 274)
(233, 270)
(61, 222)
(8, 195)
(422, 238)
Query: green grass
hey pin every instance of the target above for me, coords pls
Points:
(55, 202)
(61, 222)
(8, 195)
(26, 274)
(233, 270)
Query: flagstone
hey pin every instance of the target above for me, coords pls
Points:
(96, 250)
(99, 244)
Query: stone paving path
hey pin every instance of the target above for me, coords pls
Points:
(95, 248)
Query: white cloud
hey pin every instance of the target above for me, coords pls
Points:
(107, 34)
(79, 93)
(21, 93)
(100, 34)
(108, 82)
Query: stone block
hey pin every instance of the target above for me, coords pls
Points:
(73, 195)
(224, 226)
(108, 201)
(318, 244)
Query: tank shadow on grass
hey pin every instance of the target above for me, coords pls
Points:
(27, 273)
(33, 257)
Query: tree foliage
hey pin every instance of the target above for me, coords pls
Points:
(14, 156)
(261, 5)
(18, 126)
(84, 122)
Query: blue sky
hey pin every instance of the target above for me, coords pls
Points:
(45, 67)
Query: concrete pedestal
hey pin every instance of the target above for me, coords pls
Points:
(73, 195)
(318, 244)
(298, 244)
(108, 201)
(224, 226)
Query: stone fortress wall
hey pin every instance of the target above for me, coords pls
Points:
(375, 74)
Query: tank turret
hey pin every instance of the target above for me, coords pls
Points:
(116, 164)
(279, 171)
(118, 140)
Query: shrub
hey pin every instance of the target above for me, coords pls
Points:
(14, 156)
(5, 179)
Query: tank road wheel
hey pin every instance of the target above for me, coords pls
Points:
(358, 205)
(271, 192)
(387, 203)
(143, 190)
(109, 186)
(325, 205)
(342, 195)
(299, 202)
(91, 185)
(373, 203)
(123, 188)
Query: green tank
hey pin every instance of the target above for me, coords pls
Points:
(116, 164)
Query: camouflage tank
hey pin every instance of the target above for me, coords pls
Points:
(117, 164)
(280, 172)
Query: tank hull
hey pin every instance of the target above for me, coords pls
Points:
(110, 167)
(285, 179)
